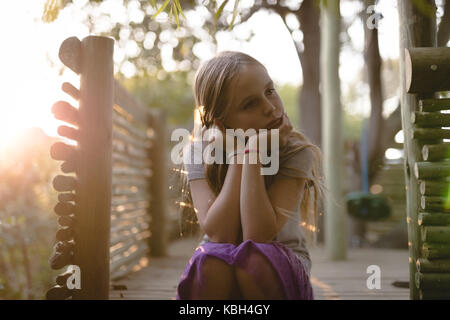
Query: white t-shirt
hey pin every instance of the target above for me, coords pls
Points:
(292, 233)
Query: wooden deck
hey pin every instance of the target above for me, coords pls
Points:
(331, 280)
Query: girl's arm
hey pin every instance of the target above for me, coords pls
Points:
(260, 221)
(219, 216)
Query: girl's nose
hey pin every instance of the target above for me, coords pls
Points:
(269, 108)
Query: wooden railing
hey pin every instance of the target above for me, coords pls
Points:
(428, 170)
(113, 211)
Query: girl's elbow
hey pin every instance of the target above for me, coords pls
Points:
(261, 237)
(218, 236)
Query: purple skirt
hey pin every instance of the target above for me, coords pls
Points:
(292, 276)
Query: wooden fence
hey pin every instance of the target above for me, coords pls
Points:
(112, 208)
(424, 73)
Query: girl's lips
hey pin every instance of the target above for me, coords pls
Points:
(275, 124)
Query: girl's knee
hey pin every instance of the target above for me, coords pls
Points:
(258, 277)
(213, 266)
(255, 259)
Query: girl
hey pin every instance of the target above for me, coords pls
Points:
(253, 246)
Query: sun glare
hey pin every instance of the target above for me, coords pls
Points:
(29, 84)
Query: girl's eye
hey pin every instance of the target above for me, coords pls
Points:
(248, 105)
(251, 103)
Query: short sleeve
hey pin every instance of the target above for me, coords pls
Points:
(300, 165)
(193, 161)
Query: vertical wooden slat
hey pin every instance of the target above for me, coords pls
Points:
(158, 186)
(416, 30)
(92, 228)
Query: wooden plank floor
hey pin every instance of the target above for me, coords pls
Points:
(336, 280)
(347, 280)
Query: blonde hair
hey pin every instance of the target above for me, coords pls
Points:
(211, 88)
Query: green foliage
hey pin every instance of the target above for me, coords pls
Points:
(176, 9)
(51, 10)
(236, 3)
(289, 95)
(352, 126)
(425, 7)
(53, 7)
(27, 224)
(161, 9)
(171, 91)
(219, 12)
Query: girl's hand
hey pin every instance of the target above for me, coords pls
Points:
(228, 148)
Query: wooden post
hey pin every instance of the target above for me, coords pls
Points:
(436, 152)
(427, 69)
(333, 145)
(93, 215)
(430, 266)
(417, 29)
(430, 105)
(433, 219)
(158, 185)
(439, 188)
(436, 251)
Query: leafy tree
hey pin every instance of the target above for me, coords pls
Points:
(170, 91)
(27, 224)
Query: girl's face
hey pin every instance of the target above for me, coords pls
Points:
(254, 102)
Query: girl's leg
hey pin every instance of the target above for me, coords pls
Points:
(218, 281)
(270, 288)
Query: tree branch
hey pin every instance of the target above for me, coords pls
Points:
(277, 8)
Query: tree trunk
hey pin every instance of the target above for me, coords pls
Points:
(373, 63)
(375, 149)
(333, 146)
(309, 102)
(444, 26)
(309, 96)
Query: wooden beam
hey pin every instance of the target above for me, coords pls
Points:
(159, 187)
(430, 119)
(92, 230)
(434, 219)
(435, 152)
(436, 234)
(427, 69)
(436, 251)
(430, 266)
(432, 170)
(70, 54)
(434, 188)
(433, 281)
(430, 105)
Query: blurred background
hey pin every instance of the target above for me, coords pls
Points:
(156, 61)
